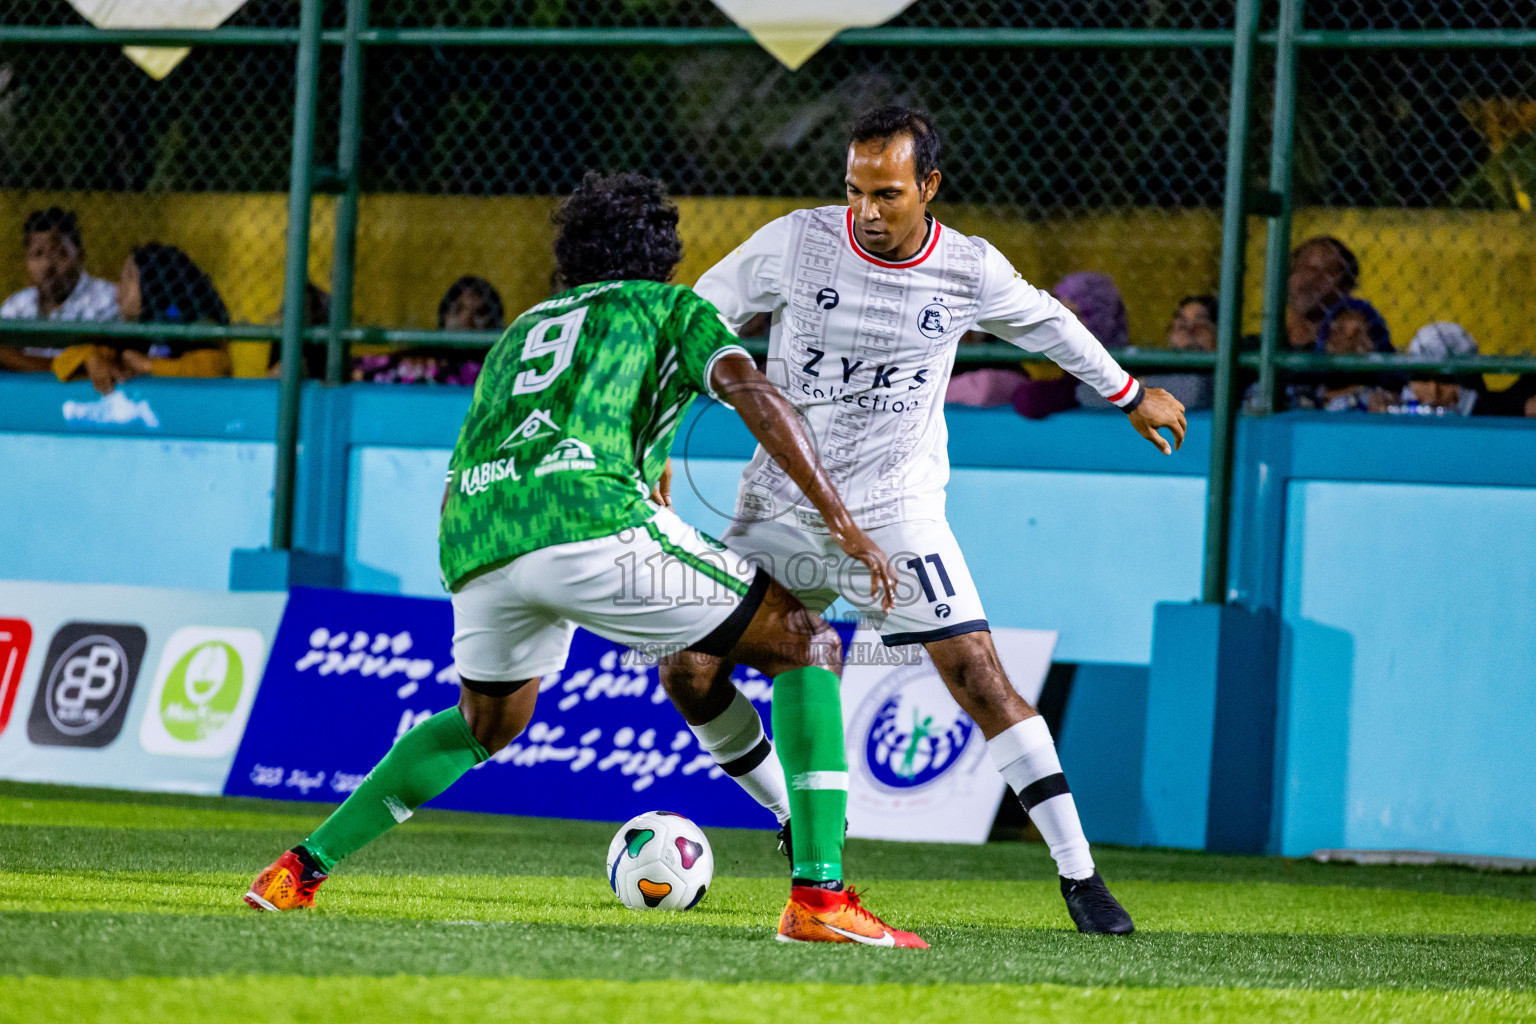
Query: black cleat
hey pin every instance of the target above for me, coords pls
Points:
(1093, 909)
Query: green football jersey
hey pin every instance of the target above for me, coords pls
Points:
(573, 418)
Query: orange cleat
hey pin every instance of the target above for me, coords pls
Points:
(820, 915)
(285, 885)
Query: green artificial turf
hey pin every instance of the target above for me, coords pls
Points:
(126, 906)
(280, 1000)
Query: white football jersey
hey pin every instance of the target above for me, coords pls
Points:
(863, 347)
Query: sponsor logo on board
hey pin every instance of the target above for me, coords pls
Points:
(86, 684)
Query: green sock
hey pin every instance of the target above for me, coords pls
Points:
(808, 734)
(421, 764)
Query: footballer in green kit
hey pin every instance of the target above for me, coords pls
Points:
(555, 494)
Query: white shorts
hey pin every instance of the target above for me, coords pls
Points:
(660, 587)
(935, 595)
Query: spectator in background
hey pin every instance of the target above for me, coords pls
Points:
(159, 284)
(470, 304)
(1353, 327)
(1322, 315)
(1439, 394)
(1095, 300)
(61, 289)
(1324, 272)
(317, 313)
(1193, 329)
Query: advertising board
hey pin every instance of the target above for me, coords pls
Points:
(128, 687)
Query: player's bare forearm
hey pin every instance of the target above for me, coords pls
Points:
(773, 422)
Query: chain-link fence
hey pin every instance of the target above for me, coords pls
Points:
(1108, 159)
(1066, 159)
(1423, 163)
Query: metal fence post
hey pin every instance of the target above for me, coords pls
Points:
(300, 182)
(1218, 497)
(1277, 245)
(349, 138)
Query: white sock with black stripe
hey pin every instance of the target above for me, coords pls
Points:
(1026, 756)
(736, 740)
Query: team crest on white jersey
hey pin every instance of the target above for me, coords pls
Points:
(934, 320)
(539, 424)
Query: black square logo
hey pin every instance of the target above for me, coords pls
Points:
(86, 684)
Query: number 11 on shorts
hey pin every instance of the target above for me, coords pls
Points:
(921, 571)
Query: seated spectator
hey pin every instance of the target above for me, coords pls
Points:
(1093, 299)
(470, 304)
(159, 284)
(1096, 301)
(1353, 327)
(1324, 272)
(1439, 394)
(1322, 315)
(61, 289)
(317, 313)
(1193, 330)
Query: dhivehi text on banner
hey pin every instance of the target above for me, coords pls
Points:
(350, 673)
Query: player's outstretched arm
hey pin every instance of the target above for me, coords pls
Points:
(773, 422)
(1160, 409)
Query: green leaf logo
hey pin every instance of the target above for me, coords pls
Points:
(202, 691)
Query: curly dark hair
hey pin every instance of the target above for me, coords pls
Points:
(886, 123)
(616, 227)
(174, 289)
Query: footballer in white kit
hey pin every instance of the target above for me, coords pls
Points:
(867, 303)
(862, 347)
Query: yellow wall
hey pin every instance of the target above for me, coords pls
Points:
(1418, 265)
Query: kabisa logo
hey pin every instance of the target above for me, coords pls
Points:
(912, 739)
(478, 479)
(568, 455)
(87, 680)
(203, 690)
(538, 424)
(933, 319)
(827, 298)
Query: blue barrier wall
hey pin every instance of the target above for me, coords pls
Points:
(1398, 554)
(1409, 661)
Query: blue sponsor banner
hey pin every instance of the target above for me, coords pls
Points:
(349, 673)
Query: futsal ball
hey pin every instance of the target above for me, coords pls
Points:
(660, 861)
